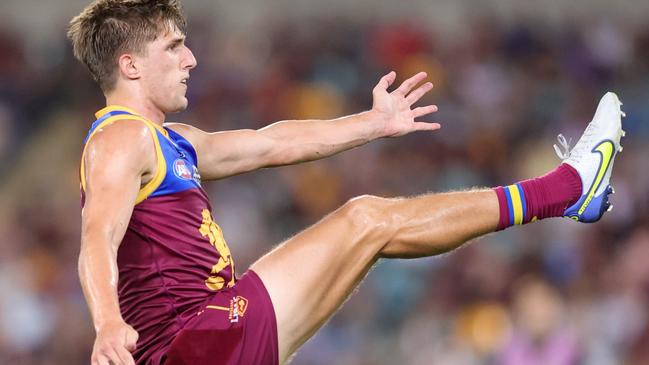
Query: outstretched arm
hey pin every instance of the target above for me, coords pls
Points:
(289, 142)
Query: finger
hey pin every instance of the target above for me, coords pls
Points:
(418, 93)
(425, 126)
(407, 85)
(114, 357)
(100, 360)
(423, 110)
(124, 356)
(386, 81)
(130, 340)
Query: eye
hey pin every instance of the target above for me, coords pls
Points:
(174, 46)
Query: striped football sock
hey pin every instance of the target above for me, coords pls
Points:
(542, 197)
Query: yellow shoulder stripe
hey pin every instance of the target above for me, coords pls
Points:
(133, 113)
(161, 166)
(112, 108)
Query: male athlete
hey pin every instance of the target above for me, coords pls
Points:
(157, 274)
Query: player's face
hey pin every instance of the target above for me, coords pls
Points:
(165, 71)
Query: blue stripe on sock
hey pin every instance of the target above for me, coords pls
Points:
(509, 206)
(520, 191)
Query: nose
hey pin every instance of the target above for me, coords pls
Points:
(189, 59)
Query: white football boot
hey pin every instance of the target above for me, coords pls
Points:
(593, 158)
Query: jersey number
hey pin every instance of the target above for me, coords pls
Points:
(213, 232)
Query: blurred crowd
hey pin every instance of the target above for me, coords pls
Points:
(554, 292)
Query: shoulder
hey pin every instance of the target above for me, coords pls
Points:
(124, 128)
(186, 130)
(195, 136)
(125, 133)
(122, 137)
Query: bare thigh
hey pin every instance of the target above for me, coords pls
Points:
(310, 275)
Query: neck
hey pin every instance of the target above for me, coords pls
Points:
(144, 108)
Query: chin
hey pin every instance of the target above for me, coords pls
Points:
(178, 106)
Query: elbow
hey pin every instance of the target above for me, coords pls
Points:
(82, 264)
(94, 244)
(84, 255)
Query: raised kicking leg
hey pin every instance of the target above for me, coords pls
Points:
(310, 275)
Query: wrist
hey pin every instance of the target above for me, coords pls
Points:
(108, 322)
(377, 122)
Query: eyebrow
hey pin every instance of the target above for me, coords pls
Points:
(177, 40)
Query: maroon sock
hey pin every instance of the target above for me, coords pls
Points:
(542, 197)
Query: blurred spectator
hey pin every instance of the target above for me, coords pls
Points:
(541, 334)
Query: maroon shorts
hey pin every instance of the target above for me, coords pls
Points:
(235, 326)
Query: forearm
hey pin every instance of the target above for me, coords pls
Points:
(308, 140)
(229, 153)
(98, 275)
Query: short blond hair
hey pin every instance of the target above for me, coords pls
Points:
(107, 28)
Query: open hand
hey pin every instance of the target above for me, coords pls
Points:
(114, 343)
(395, 108)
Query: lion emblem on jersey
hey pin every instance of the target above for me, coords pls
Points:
(238, 306)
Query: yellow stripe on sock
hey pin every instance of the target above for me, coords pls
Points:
(517, 205)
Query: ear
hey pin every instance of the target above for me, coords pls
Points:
(128, 67)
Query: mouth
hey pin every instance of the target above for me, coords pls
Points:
(184, 81)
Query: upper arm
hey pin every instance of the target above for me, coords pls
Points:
(116, 160)
(228, 153)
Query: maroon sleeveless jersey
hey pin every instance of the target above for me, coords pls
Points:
(173, 256)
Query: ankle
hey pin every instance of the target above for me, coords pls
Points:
(539, 198)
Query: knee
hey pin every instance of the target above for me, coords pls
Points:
(369, 216)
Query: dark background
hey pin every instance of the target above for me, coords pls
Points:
(509, 76)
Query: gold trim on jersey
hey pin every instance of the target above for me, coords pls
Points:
(113, 108)
(218, 307)
(161, 165)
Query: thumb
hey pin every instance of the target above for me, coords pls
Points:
(130, 341)
(386, 81)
